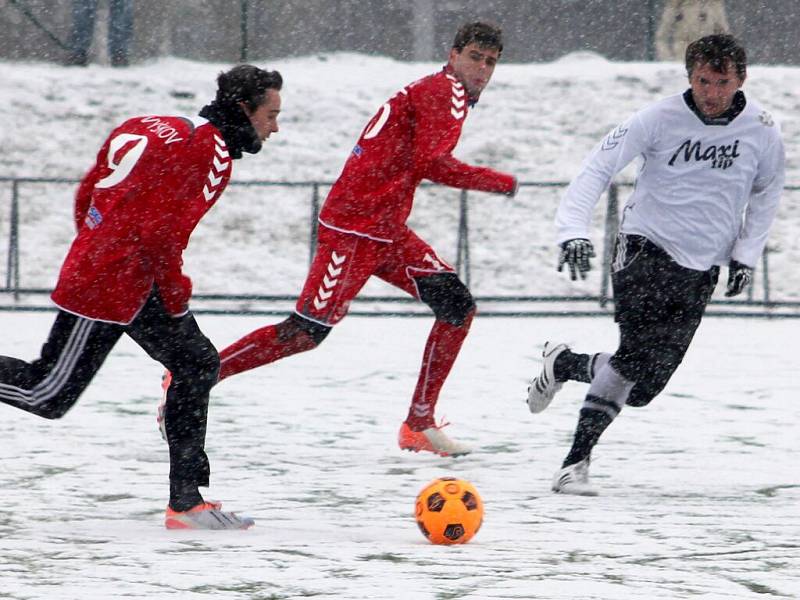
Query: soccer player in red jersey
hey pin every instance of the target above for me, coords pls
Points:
(363, 231)
(154, 179)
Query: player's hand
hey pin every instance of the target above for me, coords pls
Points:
(739, 277)
(576, 254)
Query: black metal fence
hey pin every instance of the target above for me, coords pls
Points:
(15, 296)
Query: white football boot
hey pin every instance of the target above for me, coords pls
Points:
(206, 515)
(544, 386)
(574, 480)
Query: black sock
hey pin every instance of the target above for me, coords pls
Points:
(570, 366)
(591, 425)
(183, 496)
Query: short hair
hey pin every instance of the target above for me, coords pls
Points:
(717, 51)
(248, 84)
(486, 35)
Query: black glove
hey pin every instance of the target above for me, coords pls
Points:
(739, 277)
(576, 254)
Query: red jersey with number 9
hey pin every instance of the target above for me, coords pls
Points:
(154, 179)
(411, 138)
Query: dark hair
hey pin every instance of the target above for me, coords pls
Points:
(486, 35)
(248, 84)
(718, 51)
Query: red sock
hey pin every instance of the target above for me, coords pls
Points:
(441, 350)
(261, 347)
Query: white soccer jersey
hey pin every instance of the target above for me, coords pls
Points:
(707, 191)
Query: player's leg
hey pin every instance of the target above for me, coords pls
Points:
(179, 345)
(454, 309)
(690, 293)
(415, 268)
(341, 266)
(654, 346)
(606, 397)
(636, 291)
(669, 339)
(73, 353)
(608, 393)
(659, 305)
(266, 345)
(559, 362)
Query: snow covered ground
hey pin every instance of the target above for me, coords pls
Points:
(700, 491)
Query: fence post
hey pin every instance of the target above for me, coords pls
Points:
(462, 245)
(612, 225)
(12, 272)
(650, 50)
(312, 247)
(243, 49)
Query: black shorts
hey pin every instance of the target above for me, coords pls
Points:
(658, 305)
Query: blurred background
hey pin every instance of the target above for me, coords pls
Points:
(419, 30)
(577, 68)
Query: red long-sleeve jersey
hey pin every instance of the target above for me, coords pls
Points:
(411, 138)
(154, 179)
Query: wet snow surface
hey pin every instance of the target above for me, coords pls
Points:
(700, 491)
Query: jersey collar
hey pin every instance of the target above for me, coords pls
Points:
(737, 106)
(236, 129)
(471, 100)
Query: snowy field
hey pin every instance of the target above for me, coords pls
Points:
(700, 491)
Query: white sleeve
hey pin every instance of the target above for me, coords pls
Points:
(762, 206)
(608, 158)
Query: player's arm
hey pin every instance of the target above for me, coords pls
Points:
(174, 287)
(83, 196)
(165, 234)
(164, 239)
(448, 170)
(438, 127)
(115, 174)
(574, 213)
(609, 157)
(153, 177)
(762, 206)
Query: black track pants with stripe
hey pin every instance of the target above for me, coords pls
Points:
(76, 349)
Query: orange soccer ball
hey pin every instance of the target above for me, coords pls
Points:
(449, 511)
